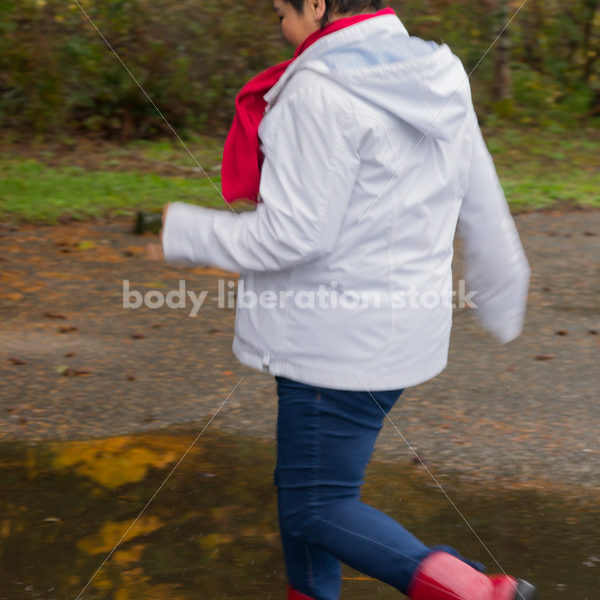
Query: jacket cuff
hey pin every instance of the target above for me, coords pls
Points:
(505, 328)
(186, 232)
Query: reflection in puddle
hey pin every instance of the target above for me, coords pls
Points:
(211, 531)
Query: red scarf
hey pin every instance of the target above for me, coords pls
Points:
(242, 158)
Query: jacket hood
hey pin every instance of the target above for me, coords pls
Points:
(422, 83)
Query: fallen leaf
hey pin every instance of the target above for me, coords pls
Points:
(67, 329)
(71, 372)
(86, 245)
(55, 275)
(16, 361)
(134, 250)
(154, 284)
(51, 315)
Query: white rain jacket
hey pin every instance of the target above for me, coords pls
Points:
(373, 155)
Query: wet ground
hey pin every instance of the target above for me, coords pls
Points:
(75, 364)
(510, 432)
(211, 530)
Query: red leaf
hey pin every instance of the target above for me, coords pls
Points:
(16, 361)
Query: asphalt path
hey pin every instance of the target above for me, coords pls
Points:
(76, 364)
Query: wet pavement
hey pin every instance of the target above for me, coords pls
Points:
(510, 432)
(75, 364)
(211, 530)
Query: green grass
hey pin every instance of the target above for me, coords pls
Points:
(31, 191)
(550, 168)
(554, 192)
(538, 169)
(207, 151)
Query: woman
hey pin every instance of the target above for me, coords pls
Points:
(365, 158)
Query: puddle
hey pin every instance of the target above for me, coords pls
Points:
(211, 531)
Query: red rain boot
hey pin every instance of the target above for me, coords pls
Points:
(442, 576)
(294, 595)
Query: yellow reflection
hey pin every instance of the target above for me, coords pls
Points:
(111, 532)
(115, 461)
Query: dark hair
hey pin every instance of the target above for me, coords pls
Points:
(340, 6)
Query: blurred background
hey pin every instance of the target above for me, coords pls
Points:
(68, 107)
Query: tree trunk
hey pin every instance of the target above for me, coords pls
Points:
(503, 78)
(532, 20)
(589, 54)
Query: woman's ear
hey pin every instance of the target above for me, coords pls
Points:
(319, 8)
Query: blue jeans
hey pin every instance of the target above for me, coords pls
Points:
(325, 438)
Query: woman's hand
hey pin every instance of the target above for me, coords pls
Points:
(155, 251)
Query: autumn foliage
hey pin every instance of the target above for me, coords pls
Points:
(58, 74)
